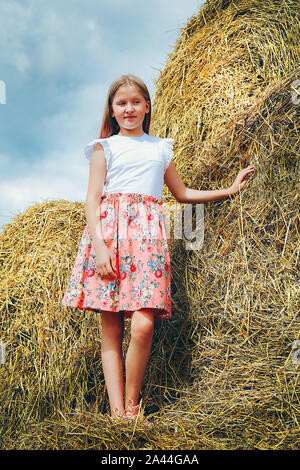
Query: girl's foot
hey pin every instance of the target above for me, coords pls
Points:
(133, 413)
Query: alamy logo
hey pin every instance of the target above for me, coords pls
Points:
(296, 352)
(2, 352)
(194, 238)
(2, 92)
(296, 92)
(156, 222)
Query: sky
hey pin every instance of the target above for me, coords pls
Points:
(57, 61)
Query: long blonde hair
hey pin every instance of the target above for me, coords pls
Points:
(109, 124)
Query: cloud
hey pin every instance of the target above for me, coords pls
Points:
(59, 176)
(14, 28)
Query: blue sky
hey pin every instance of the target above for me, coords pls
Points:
(57, 61)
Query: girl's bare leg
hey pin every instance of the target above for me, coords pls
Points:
(142, 327)
(112, 359)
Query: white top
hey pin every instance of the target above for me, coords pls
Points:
(134, 164)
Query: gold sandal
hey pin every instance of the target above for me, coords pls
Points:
(134, 413)
(119, 415)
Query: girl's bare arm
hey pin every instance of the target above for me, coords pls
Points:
(184, 194)
(94, 193)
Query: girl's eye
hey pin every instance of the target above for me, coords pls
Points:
(122, 102)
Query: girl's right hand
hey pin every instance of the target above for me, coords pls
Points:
(241, 180)
(105, 263)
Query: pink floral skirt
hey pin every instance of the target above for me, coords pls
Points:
(134, 230)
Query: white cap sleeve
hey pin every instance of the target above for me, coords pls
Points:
(168, 151)
(89, 148)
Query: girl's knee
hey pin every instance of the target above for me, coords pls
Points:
(142, 329)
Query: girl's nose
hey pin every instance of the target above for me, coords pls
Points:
(129, 107)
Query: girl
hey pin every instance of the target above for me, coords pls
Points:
(122, 268)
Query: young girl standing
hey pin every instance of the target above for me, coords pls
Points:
(122, 268)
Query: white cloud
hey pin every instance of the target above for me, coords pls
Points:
(81, 116)
(22, 62)
(20, 194)
(15, 26)
(25, 191)
(4, 159)
(58, 176)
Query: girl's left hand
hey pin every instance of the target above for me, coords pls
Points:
(241, 180)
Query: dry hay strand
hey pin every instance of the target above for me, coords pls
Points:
(221, 374)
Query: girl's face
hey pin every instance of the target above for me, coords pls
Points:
(129, 108)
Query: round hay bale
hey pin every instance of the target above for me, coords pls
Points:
(51, 353)
(229, 96)
(53, 368)
(225, 58)
(224, 372)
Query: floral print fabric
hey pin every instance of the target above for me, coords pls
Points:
(133, 227)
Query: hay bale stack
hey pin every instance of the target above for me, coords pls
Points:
(221, 374)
